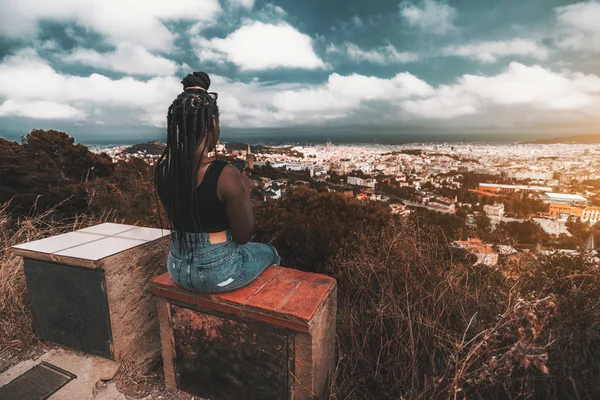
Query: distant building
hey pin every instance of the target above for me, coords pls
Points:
(590, 215)
(400, 209)
(370, 183)
(270, 194)
(560, 210)
(354, 180)
(220, 148)
(295, 167)
(531, 175)
(485, 253)
(249, 159)
(471, 222)
(318, 171)
(563, 198)
(497, 210)
(443, 203)
(501, 188)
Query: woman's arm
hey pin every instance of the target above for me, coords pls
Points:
(234, 190)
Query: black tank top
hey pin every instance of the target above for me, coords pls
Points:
(211, 210)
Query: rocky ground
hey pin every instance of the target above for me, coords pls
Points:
(97, 378)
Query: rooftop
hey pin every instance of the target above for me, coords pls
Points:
(565, 196)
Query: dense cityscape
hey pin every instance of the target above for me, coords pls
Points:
(552, 187)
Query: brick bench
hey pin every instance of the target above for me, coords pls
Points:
(272, 339)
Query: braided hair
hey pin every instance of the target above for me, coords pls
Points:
(191, 118)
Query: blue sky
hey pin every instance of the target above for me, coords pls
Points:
(112, 67)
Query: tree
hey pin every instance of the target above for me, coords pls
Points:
(526, 232)
(483, 222)
(308, 227)
(46, 169)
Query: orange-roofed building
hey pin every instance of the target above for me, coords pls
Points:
(363, 196)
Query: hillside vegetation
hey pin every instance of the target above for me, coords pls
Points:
(415, 320)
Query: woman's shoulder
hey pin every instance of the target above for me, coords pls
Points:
(222, 166)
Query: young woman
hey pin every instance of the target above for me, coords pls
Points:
(207, 200)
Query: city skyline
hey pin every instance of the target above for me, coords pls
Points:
(390, 68)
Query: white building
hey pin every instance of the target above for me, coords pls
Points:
(497, 210)
(590, 215)
(295, 167)
(531, 175)
(370, 183)
(318, 172)
(563, 198)
(355, 180)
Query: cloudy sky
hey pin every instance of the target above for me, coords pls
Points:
(95, 67)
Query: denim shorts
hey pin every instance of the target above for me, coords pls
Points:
(219, 267)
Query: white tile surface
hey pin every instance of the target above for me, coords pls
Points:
(101, 248)
(144, 233)
(107, 228)
(58, 242)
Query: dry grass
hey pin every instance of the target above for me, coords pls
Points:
(15, 320)
(413, 323)
(139, 380)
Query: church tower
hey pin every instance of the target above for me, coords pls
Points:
(249, 159)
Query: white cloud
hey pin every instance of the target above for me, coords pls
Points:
(521, 86)
(40, 110)
(381, 55)
(357, 21)
(247, 4)
(431, 16)
(259, 46)
(270, 13)
(127, 58)
(27, 79)
(490, 51)
(342, 94)
(579, 26)
(29, 87)
(139, 22)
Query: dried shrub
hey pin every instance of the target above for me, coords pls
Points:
(15, 319)
(415, 322)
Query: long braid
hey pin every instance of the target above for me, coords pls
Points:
(196, 142)
(189, 122)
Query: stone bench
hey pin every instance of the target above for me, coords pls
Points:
(272, 339)
(89, 289)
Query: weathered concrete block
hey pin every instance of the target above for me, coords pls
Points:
(89, 289)
(272, 339)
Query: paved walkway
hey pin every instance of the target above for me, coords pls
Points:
(92, 375)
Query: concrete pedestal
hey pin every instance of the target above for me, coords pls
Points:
(272, 339)
(89, 289)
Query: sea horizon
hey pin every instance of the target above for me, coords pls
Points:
(316, 138)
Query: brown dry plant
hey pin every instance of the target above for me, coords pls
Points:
(15, 319)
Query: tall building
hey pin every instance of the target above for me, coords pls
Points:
(249, 159)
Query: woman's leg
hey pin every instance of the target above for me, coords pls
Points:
(221, 267)
(257, 257)
(252, 259)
